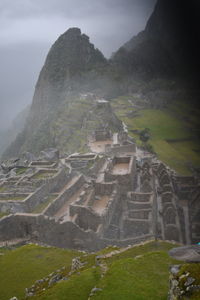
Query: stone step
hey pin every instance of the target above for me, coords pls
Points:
(139, 214)
(138, 205)
(136, 227)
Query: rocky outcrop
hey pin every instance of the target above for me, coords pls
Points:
(71, 58)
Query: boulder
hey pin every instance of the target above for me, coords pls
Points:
(186, 253)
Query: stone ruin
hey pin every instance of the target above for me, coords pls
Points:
(114, 195)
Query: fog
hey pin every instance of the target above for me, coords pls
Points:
(29, 27)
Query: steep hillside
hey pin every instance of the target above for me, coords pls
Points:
(72, 66)
(66, 127)
(169, 45)
(9, 135)
(173, 128)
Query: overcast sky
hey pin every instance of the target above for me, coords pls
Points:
(29, 27)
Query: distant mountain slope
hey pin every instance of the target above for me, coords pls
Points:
(72, 66)
(9, 135)
(169, 45)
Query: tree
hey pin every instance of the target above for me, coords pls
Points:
(145, 135)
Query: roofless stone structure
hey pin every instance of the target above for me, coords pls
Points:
(115, 195)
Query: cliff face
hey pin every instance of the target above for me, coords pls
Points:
(69, 64)
(169, 45)
(72, 66)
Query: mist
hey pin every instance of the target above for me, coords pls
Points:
(29, 28)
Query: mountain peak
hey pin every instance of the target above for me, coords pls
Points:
(69, 60)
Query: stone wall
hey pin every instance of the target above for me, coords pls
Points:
(168, 206)
(53, 207)
(12, 206)
(135, 228)
(194, 214)
(39, 228)
(126, 181)
(51, 185)
(86, 218)
(102, 135)
(97, 166)
(139, 197)
(104, 188)
(117, 150)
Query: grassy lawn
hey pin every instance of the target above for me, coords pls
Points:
(141, 278)
(78, 287)
(2, 214)
(13, 198)
(139, 273)
(21, 267)
(172, 132)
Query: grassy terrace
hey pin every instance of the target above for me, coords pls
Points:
(173, 131)
(44, 174)
(13, 197)
(139, 273)
(2, 189)
(21, 267)
(3, 214)
(21, 171)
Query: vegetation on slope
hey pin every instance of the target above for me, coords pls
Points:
(172, 128)
(22, 266)
(66, 127)
(141, 271)
(194, 272)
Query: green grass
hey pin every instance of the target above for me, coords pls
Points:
(13, 198)
(194, 272)
(21, 171)
(142, 249)
(143, 278)
(3, 214)
(76, 288)
(43, 175)
(141, 272)
(172, 132)
(21, 267)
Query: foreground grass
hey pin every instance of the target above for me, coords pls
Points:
(77, 287)
(21, 267)
(194, 271)
(140, 272)
(172, 132)
(140, 278)
(3, 214)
